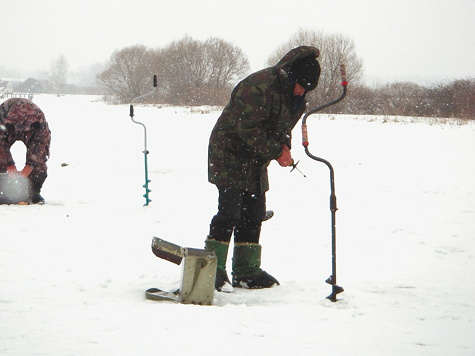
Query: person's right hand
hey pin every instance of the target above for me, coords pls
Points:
(285, 158)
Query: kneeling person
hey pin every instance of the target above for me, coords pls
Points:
(22, 120)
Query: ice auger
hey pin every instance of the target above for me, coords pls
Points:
(145, 151)
(336, 289)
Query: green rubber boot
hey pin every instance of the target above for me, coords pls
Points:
(247, 272)
(222, 283)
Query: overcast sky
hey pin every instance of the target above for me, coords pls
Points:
(423, 41)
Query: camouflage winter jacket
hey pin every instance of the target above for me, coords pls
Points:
(253, 126)
(22, 120)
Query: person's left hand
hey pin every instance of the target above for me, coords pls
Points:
(25, 172)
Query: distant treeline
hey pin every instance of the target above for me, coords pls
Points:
(454, 99)
(195, 73)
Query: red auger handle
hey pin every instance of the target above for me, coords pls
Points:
(304, 135)
(344, 82)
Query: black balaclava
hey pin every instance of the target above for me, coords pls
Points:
(306, 72)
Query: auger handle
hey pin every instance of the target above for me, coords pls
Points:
(344, 82)
(131, 109)
(304, 135)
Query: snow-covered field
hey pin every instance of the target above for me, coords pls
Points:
(73, 272)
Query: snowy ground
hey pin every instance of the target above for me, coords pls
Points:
(73, 272)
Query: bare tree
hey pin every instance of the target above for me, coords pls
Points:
(128, 73)
(186, 65)
(190, 72)
(227, 63)
(464, 98)
(201, 72)
(454, 99)
(335, 49)
(58, 74)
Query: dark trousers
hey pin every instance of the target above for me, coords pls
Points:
(239, 212)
